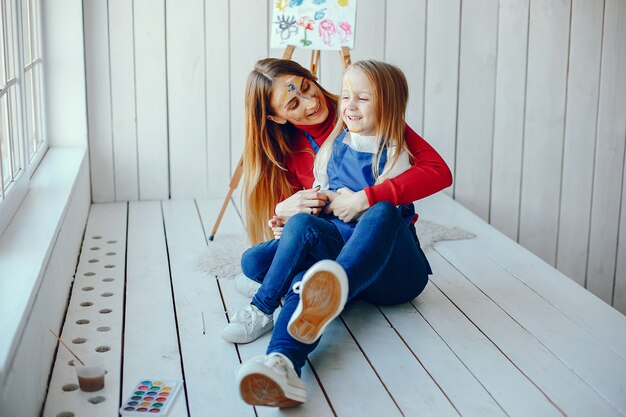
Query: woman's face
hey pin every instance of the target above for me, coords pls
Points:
(357, 108)
(297, 100)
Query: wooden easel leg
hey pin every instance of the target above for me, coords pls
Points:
(315, 59)
(234, 182)
(344, 55)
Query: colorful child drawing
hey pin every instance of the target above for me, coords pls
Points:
(286, 26)
(314, 24)
(306, 23)
(344, 31)
(327, 30)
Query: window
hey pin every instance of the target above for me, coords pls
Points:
(22, 139)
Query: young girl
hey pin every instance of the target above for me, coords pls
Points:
(366, 147)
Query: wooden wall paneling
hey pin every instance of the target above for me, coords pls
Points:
(441, 83)
(99, 101)
(609, 163)
(217, 84)
(477, 73)
(151, 105)
(545, 112)
(369, 42)
(508, 126)
(408, 52)
(249, 42)
(619, 292)
(186, 98)
(331, 69)
(579, 143)
(121, 44)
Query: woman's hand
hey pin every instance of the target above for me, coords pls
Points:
(310, 201)
(277, 226)
(348, 205)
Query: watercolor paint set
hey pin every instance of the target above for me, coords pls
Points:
(151, 396)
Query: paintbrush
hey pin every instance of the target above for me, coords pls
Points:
(67, 347)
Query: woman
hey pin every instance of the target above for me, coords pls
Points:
(288, 117)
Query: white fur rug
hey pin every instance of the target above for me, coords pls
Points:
(222, 260)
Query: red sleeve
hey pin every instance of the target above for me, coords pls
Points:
(429, 174)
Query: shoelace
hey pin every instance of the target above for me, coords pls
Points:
(245, 315)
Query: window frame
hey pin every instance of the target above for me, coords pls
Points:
(26, 35)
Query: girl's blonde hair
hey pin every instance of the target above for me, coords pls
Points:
(266, 144)
(390, 94)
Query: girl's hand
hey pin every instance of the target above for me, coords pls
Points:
(310, 201)
(348, 205)
(277, 226)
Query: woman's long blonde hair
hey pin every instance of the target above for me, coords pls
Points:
(265, 146)
(390, 94)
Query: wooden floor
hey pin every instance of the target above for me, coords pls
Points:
(497, 332)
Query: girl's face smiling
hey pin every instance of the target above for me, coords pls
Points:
(357, 108)
(297, 100)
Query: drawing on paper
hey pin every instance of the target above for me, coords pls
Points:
(313, 24)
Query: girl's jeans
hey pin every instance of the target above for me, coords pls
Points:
(382, 260)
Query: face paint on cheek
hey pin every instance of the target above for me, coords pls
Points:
(295, 117)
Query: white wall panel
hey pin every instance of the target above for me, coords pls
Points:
(151, 99)
(186, 92)
(545, 113)
(217, 82)
(442, 75)
(609, 166)
(579, 145)
(477, 69)
(249, 42)
(408, 53)
(99, 100)
(121, 40)
(508, 127)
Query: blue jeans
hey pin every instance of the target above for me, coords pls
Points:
(305, 240)
(382, 260)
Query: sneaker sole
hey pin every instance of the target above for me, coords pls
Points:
(321, 300)
(258, 389)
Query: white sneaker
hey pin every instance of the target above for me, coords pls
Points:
(248, 324)
(270, 380)
(246, 286)
(323, 294)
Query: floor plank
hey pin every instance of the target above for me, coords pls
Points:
(597, 317)
(410, 385)
(511, 389)
(556, 380)
(566, 339)
(208, 360)
(151, 347)
(104, 241)
(446, 369)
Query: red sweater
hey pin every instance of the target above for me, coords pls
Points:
(428, 174)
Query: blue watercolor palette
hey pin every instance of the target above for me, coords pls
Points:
(151, 396)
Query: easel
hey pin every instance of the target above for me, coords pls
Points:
(344, 55)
